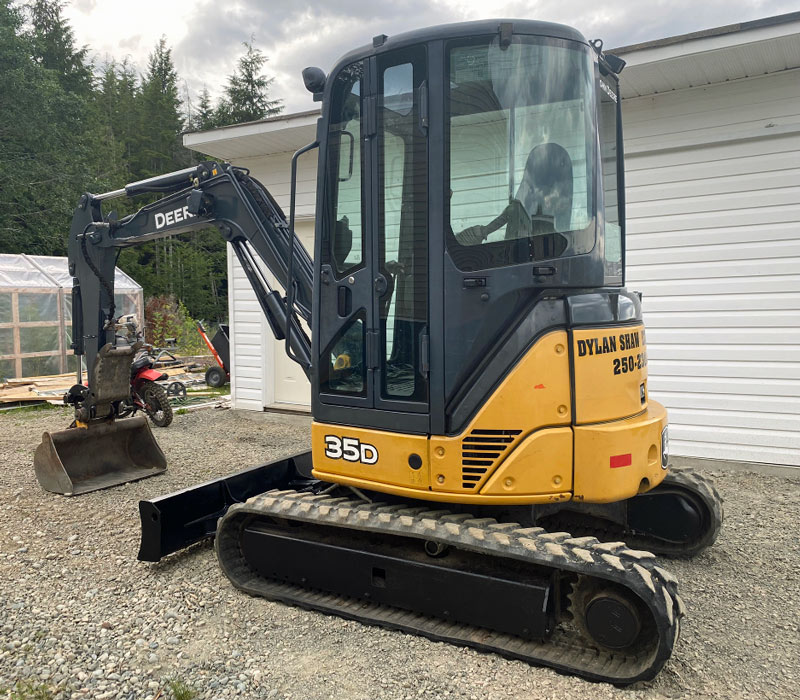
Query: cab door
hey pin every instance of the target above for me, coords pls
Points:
(372, 311)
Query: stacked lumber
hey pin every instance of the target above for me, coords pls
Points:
(52, 387)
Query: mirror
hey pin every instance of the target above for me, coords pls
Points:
(314, 79)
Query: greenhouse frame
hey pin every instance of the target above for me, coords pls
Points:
(36, 314)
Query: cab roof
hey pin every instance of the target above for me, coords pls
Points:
(457, 30)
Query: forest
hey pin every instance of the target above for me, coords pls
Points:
(70, 125)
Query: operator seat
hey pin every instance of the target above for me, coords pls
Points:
(545, 192)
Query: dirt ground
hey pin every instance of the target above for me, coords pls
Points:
(80, 617)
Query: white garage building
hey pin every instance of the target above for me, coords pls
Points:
(712, 146)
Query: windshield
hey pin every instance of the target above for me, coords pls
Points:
(521, 151)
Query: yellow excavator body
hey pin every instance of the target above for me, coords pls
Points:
(540, 437)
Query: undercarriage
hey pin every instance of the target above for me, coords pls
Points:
(598, 609)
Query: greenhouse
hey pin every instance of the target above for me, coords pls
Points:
(36, 314)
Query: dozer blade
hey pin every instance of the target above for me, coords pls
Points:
(175, 521)
(79, 460)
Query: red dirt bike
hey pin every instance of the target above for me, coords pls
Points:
(146, 395)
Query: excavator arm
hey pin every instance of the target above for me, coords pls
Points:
(208, 194)
(99, 451)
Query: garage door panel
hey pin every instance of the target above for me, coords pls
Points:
(699, 173)
(736, 452)
(740, 185)
(724, 402)
(695, 202)
(744, 436)
(738, 320)
(724, 336)
(727, 114)
(727, 352)
(722, 268)
(754, 147)
(737, 419)
(719, 285)
(740, 386)
(766, 232)
(756, 368)
(714, 219)
(704, 252)
(754, 301)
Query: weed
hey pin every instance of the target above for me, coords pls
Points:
(26, 690)
(180, 690)
(181, 412)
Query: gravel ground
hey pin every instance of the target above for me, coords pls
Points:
(81, 616)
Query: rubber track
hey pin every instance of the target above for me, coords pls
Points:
(702, 487)
(699, 485)
(564, 651)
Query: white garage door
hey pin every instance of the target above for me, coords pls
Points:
(291, 384)
(713, 185)
(262, 375)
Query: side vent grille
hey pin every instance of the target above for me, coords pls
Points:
(480, 451)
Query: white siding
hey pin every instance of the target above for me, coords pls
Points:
(261, 374)
(713, 191)
(249, 390)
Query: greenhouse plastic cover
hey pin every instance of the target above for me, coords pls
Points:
(19, 270)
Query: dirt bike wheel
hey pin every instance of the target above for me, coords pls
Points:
(156, 404)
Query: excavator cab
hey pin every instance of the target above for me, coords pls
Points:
(470, 227)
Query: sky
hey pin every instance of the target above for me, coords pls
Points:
(206, 35)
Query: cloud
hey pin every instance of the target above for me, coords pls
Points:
(207, 36)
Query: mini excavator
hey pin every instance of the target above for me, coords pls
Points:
(486, 466)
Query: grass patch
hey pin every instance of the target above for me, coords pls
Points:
(180, 690)
(30, 408)
(26, 690)
(211, 392)
(181, 412)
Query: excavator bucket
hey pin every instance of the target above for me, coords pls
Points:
(101, 453)
(78, 460)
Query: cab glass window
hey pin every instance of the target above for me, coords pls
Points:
(521, 150)
(343, 244)
(610, 136)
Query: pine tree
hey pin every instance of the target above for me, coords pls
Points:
(247, 93)
(160, 148)
(53, 44)
(63, 133)
(47, 127)
(204, 117)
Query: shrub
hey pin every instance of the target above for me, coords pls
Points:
(166, 317)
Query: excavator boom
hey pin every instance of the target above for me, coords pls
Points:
(100, 450)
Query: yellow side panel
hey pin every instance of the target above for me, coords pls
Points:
(610, 370)
(371, 455)
(542, 463)
(613, 459)
(534, 394)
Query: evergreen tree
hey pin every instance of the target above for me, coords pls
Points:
(117, 106)
(47, 127)
(247, 93)
(160, 148)
(64, 132)
(53, 45)
(204, 117)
